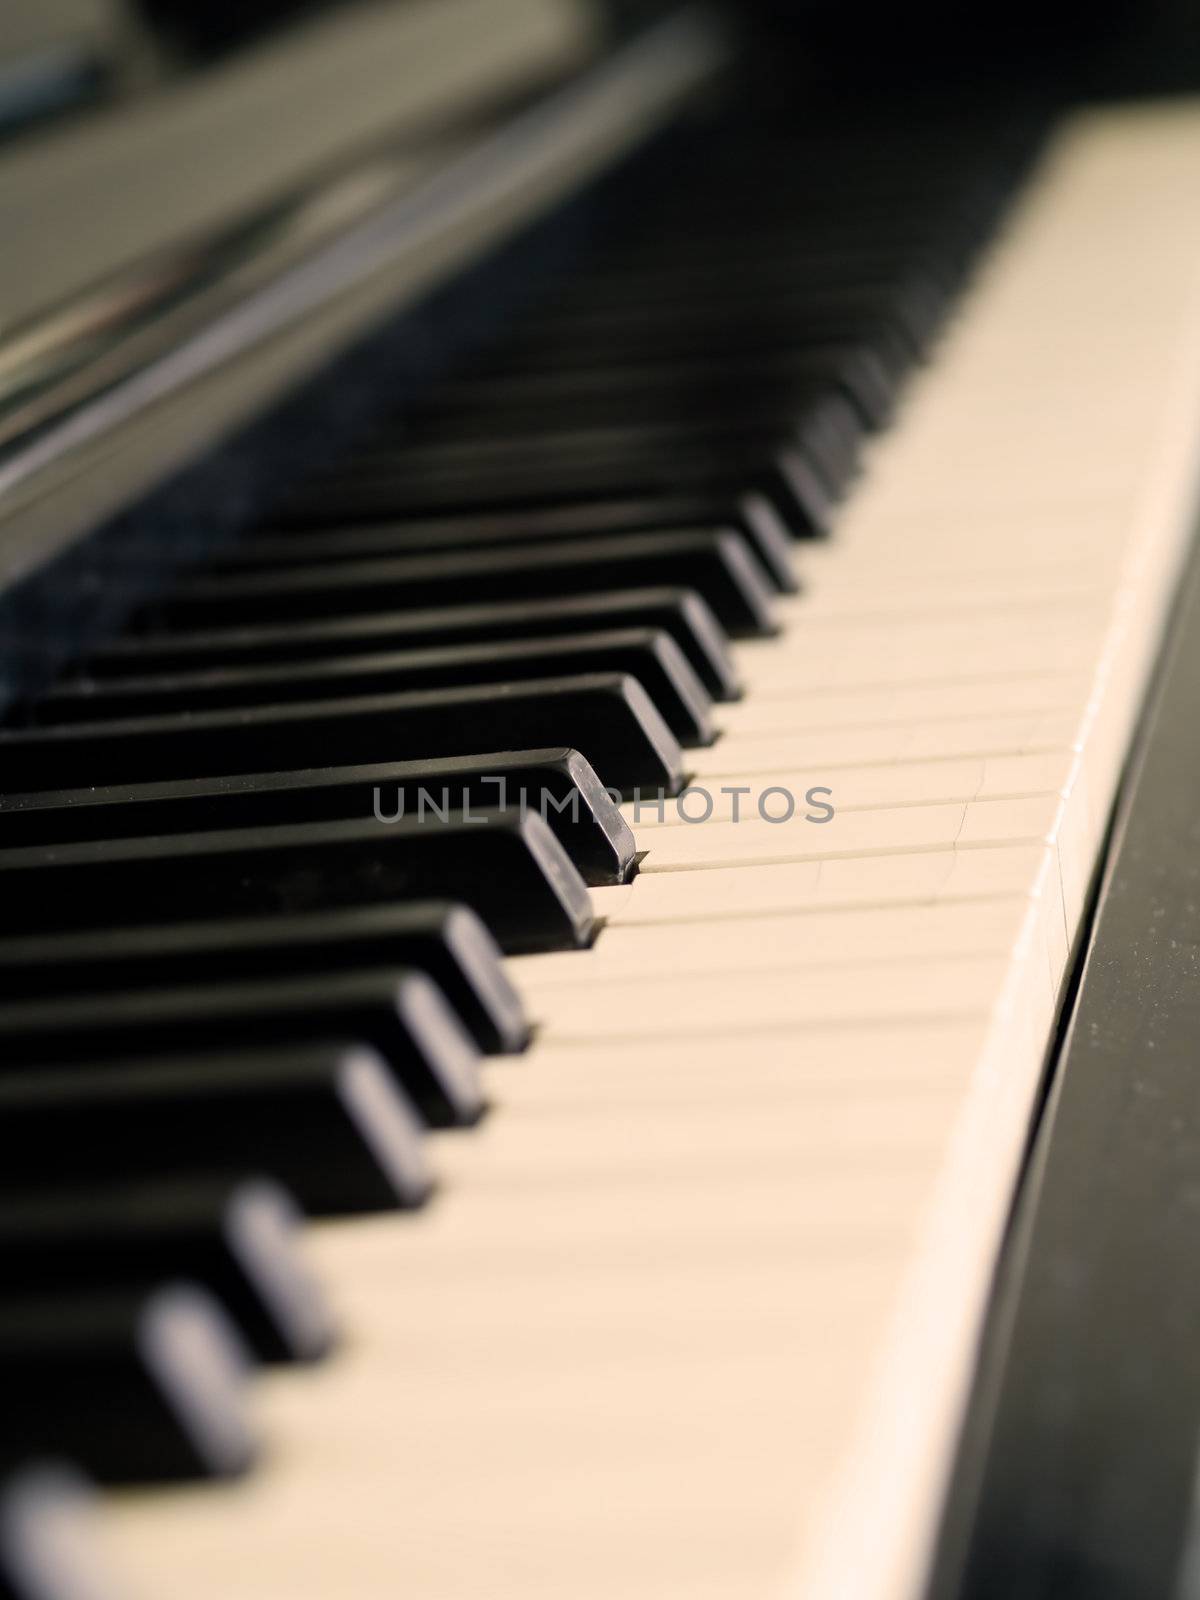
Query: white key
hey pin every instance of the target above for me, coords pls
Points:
(730, 893)
(824, 750)
(868, 788)
(1057, 642)
(784, 942)
(656, 1006)
(806, 711)
(755, 841)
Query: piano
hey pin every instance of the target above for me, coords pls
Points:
(600, 670)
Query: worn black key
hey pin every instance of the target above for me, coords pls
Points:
(509, 868)
(750, 514)
(652, 657)
(610, 719)
(448, 942)
(402, 1015)
(47, 1546)
(558, 785)
(717, 563)
(237, 1238)
(328, 1121)
(680, 612)
(133, 1386)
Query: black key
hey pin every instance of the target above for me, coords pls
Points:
(235, 1238)
(679, 612)
(47, 1546)
(402, 1016)
(589, 337)
(732, 436)
(831, 314)
(475, 449)
(833, 443)
(448, 942)
(866, 375)
(509, 868)
(630, 274)
(328, 1121)
(740, 340)
(736, 342)
(559, 785)
(717, 563)
(610, 719)
(727, 286)
(779, 468)
(798, 260)
(134, 1387)
(769, 385)
(653, 658)
(751, 515)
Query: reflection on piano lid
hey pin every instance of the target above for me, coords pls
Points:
(255, 262)
(571, 637)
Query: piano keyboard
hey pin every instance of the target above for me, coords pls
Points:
(691, 1310)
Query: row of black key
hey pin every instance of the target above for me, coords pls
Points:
(260, 857)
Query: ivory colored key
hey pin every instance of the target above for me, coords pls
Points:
(866, 788)
(804, 710)
(826, 749)
(780, 828)
(695, 1071)
(662, 1007)
(784, 942)
(729, 893)
(1058, 639)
